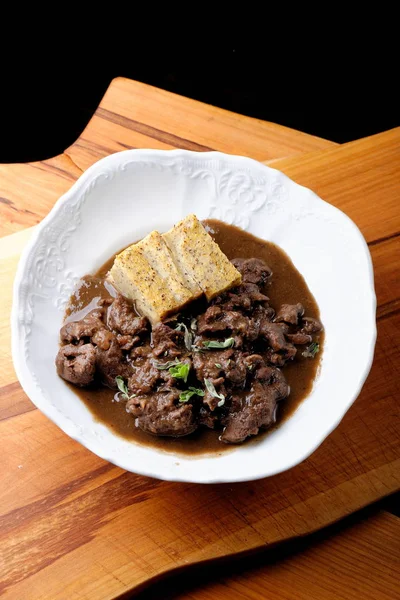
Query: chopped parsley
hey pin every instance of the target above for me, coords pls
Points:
(180, 371)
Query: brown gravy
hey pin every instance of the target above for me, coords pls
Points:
(288, 286)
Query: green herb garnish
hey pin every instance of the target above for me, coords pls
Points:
(218, 365)
(180, 371)
(167, 365)
(123, 388)
(188, 338)
(311, 350)
(211, 389)
(228, 343)
(187, 394)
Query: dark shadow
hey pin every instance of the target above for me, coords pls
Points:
(43, 111)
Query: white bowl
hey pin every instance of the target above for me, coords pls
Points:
(126, 195)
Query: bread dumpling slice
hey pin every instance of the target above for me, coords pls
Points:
(158, 255)
(135, 278)
(199, 259)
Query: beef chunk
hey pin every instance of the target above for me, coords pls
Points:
(74, 331)
(208, 418)
(242, 297)
(257, 407)
(253, 270)
(275, 378)
(310, 325)
(111, 362)
(123, 319)
(262, 314)
(162, 414)
(279, 359)
(236, 371)
(220, 363)
(164, 341)
(290, 313)
(140, 352)
(127, 341)
(253, 361)
(210, 365)
(258, 410)
(103, 338)
(144, 376)
(280, 349)
(275, 335)
(298, 338)
(77, 364)
(215, 320)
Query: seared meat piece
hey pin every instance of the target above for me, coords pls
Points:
(253, 270)
(242, 297)
(263, 314)
(216, 363)
(123, 319)
(162, 414)
(74, 331)
(211, 364)
(111, 362)
(140, 352)
(215, 319)
(207, 418)
(77, 364)
(274, 377)
(279, 359)
(290, 313)
(275, 335)
(298, 338)
(103, 338)
(164, 341)
(257, 407)
(236, 371)
(127, 341)
(253, 361)
(143, 376)
(310, 325)
(280, 349)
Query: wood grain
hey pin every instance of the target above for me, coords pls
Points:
(358, 177)
(28, 191)
(73, 526)
(360, 562)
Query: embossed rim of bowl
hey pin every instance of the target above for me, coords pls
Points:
(302, 206)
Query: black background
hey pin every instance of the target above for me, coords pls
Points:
(47, 101)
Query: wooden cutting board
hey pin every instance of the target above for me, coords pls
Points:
(74, 526)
